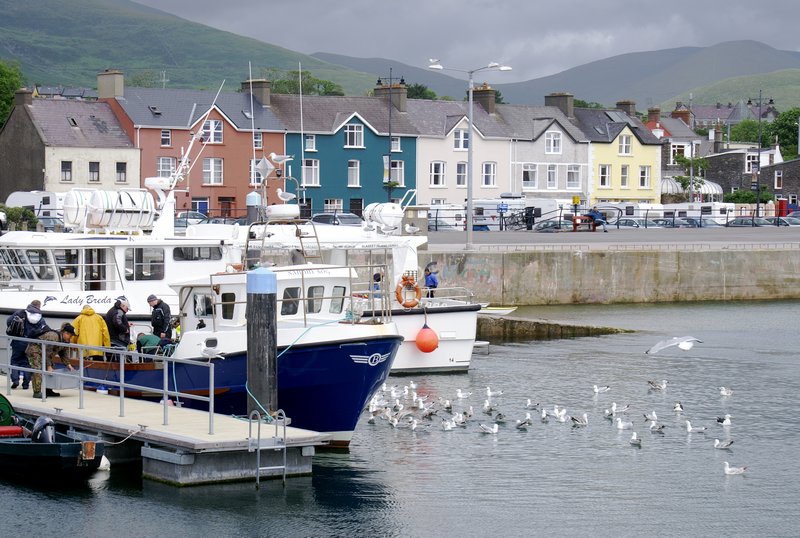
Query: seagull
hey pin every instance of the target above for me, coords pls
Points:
(500, 418)
(580, 421)
(412, 230)
(678, 407)
(461, 395)
(490, 394)
(531, 405)
(734, 470)
(598, 390)
(615, 409)
(690, 429)
(656, 428)
(655, 385)
(609, 414)
(684, 342)
(487, 407)
(544, 416)
(624, 425)
(488, 429)
(636, 440)
(722, 445)
(285, 196)
(724, 421)
(525, 422)
(651, 416)
(448, 425)
(725, 392)
(280, 159)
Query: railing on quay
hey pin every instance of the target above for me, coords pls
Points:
(78, 352)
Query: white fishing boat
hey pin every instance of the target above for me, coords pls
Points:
(489, 310)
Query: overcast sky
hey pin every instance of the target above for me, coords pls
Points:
(534, 38)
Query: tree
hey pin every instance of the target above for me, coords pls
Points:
(747, 131)
(696, 168)
(10, 82)
(290, 83)
(498, 97)
(420, 91)
(785, 129)
(19, 215)
(143, 79)
(580, 103)
(746, 196)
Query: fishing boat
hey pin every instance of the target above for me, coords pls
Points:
(38, 453)
(489, 310)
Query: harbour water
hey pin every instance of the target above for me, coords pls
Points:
(551, 480)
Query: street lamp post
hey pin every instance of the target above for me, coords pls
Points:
(434, 64)
(758, 164)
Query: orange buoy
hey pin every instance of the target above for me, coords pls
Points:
(427, 339)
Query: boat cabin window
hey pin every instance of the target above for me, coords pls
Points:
(228, 305)
(67, 262)
(42, 266)
(144, 263)
(289, 304)
(337, 300)
(203, 305)
(181, 254)
(315, 295)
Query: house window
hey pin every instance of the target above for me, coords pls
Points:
(353, 174)
(552, 177)
(778, 179)
(66, 170)
(311, 142)
(752, 163)
(166, 138)
(398, 174)
(461, 174)
(255, 175)
(212, 131)
(573, 176)
(353, 136)
(437, 174)
(94, 172)
(677, 149)
(438, 201)
(623, 176)
(310, 173)
(489, 175)
(529, 180)
(212, 171)
(605, 175)
(396, 143)
(644, 177)
(792, 199)
(258, 140)
(552, 142)
(461, 139)
(625, 144)
(165, 166)
(122, 172)
(333, 204)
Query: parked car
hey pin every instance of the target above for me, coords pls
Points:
(337, 219)
(635, 222)
(743, 222)
(704, 222)
(674, 222)
(189, 217)
(439, 225)
(783, 221)
(553, 225)
(224, 220)
(51, 223)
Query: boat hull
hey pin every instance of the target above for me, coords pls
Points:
(47, 462)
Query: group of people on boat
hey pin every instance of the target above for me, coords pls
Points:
(88, 328)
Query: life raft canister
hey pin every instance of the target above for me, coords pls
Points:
(407, 283)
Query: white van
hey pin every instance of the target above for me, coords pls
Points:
(42, 203)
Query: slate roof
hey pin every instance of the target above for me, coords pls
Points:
(81, 124)
(530, 122)
(169, 108)
(600, 125)
(438, 118)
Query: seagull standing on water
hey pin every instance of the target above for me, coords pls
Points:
(734, 470)
(722, 445)
(684, 342)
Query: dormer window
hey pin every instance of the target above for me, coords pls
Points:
(154, 110)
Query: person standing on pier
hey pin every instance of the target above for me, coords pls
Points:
(119, 328)
(91, 330)
(35, 351)
(27, 323)
(431, 280)
(160, 318)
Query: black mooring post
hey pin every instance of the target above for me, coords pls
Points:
(262, 342)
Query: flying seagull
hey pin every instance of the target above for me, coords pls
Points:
(684, 342)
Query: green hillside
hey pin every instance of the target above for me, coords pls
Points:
(782, 86)
(68, 43)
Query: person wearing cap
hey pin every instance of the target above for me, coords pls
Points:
(91, 330)
(160, 318)
(119, 328)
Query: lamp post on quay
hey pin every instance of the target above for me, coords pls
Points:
(434, 64)
(757, 172)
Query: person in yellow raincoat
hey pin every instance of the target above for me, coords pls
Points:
(91, 330)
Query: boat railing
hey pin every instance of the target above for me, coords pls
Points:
(456, 292)
(121, 360)
(41, 265)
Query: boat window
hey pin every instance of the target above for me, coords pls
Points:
(14, 261)
(144, 263)
(67, 262)
(228, 304)
(41, 264)
(181, 254)
(289, 303)
(337, 301)
(315, 295)
(203, 305)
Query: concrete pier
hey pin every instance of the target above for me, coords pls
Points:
(182, 452)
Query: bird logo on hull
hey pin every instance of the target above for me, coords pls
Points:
(373, 360)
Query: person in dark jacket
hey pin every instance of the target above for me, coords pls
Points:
(597, 217)
(119, 328)
(160, 318)
(33, 326)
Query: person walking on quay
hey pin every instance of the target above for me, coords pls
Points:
(160, 318)
(27, 323)
(597, 217)
(431, 280)
(91, 330)
(35, 351)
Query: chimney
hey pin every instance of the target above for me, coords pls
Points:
(110, 84)
(23, 97)
(718, 147)
(654, 114)
(261, 90)
(565, 102)
(484, 95)
(681, 113)
(628, 107)
(397, 91)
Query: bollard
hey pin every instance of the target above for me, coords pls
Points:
(262, 324)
